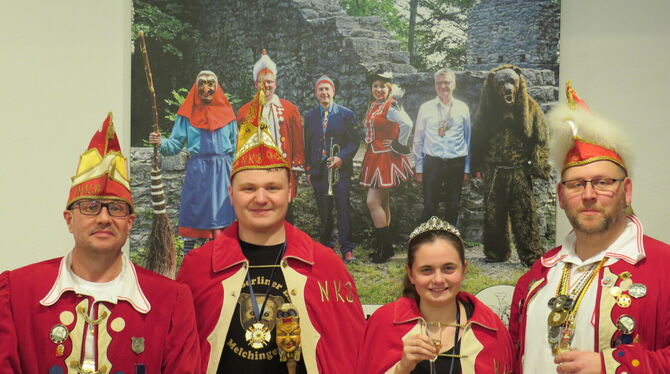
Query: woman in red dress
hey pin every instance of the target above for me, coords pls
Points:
(385, 165)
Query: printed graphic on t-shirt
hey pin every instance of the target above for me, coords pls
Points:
(251, 345)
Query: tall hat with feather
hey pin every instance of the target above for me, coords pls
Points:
(580, 137)
(256, 149)
(264, 65)
(102, 172)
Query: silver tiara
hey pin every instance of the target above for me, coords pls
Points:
(434, 224)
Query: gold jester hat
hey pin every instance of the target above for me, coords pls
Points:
(256, 149)
(102, 172)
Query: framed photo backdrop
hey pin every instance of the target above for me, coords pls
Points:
(308, 39)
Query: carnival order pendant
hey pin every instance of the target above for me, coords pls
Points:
(442, 129)
(257, 335)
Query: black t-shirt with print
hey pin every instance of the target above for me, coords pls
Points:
(238, 355)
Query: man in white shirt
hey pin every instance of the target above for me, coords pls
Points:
(442, 148)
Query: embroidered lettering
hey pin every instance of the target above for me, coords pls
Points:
(350, 291)
(324, 291)
(337, 286)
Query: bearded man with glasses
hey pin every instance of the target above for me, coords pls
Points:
(93, 311)
(598, 303)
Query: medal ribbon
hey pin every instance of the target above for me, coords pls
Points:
(254, 303)
(580, 292)
(457, 342)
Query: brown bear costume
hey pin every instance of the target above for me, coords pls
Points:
(509, 148)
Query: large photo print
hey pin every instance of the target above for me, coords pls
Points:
(438, 111)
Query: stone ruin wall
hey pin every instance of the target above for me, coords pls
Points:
(519, 32)
(310, 38)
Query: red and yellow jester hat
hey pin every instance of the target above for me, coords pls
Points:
(580, 137)
(256, 149)
(102, 172)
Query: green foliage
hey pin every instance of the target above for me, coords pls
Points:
(439, 31)
(392, 17)
(174, 103)
(445, 48)
(165, 24)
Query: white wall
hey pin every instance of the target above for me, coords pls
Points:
(616, 53)
(65, 64)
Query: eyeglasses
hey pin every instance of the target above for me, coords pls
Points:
(598, 184)
(93, 208)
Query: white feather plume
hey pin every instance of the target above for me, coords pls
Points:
(565, 124)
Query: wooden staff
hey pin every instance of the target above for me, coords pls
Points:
(161, 253)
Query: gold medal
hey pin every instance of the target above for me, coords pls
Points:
(625, 275)
(557, 318)
(623, 301)
(257, 335)
(60, 350)
(625, 284)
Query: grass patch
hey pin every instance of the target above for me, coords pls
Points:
(479, 278)
(378, 283)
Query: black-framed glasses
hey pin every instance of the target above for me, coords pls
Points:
(598, 184)
(93, 208)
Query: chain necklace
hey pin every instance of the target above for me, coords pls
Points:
(258, 335)
(564, 306)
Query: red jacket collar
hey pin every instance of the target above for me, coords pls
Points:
(227, 251)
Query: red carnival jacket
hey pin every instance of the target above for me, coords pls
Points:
(486, 346)
(323, 292)
(153, 331)
(650, 350)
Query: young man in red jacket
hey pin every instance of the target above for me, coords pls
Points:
(598, 303)
(93, 311)
(267, 296)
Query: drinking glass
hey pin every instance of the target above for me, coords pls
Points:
(434, 331)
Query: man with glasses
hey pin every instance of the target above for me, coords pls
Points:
(596, 304)
(93, 311)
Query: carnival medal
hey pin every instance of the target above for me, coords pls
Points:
(442, 128)
(257, 335)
